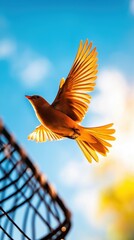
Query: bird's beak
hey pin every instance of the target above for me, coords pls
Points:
(28, 97)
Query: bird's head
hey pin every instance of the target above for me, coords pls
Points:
(36, 101)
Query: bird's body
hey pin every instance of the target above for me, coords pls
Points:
(62, 118)
(57, 121)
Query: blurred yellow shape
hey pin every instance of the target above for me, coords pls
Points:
(117, 202)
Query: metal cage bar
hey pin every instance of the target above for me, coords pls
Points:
(30, 208)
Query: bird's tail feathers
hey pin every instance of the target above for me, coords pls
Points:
(94, 140)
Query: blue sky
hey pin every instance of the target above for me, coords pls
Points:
(38, 43)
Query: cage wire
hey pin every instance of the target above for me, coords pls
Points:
(30, 208)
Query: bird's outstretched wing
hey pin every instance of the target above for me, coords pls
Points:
(72, 97)
(42, 134)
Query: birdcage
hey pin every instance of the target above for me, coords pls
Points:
(30, 208)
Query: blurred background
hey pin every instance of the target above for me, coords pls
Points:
(38, 43)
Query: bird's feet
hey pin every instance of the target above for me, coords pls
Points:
(75, 133)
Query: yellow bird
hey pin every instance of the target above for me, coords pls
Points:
(62, 118)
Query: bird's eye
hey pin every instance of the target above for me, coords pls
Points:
(36, 97)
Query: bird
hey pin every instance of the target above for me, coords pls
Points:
(62, 118)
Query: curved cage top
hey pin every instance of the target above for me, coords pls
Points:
(30, 208)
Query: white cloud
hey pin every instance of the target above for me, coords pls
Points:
(115, 103)
(113, 91)
(29, 67)
(35, 71)
(7, 48)
(74, 171)
(132, 6)
(25, 64)
(86, 202)
(88, 181)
